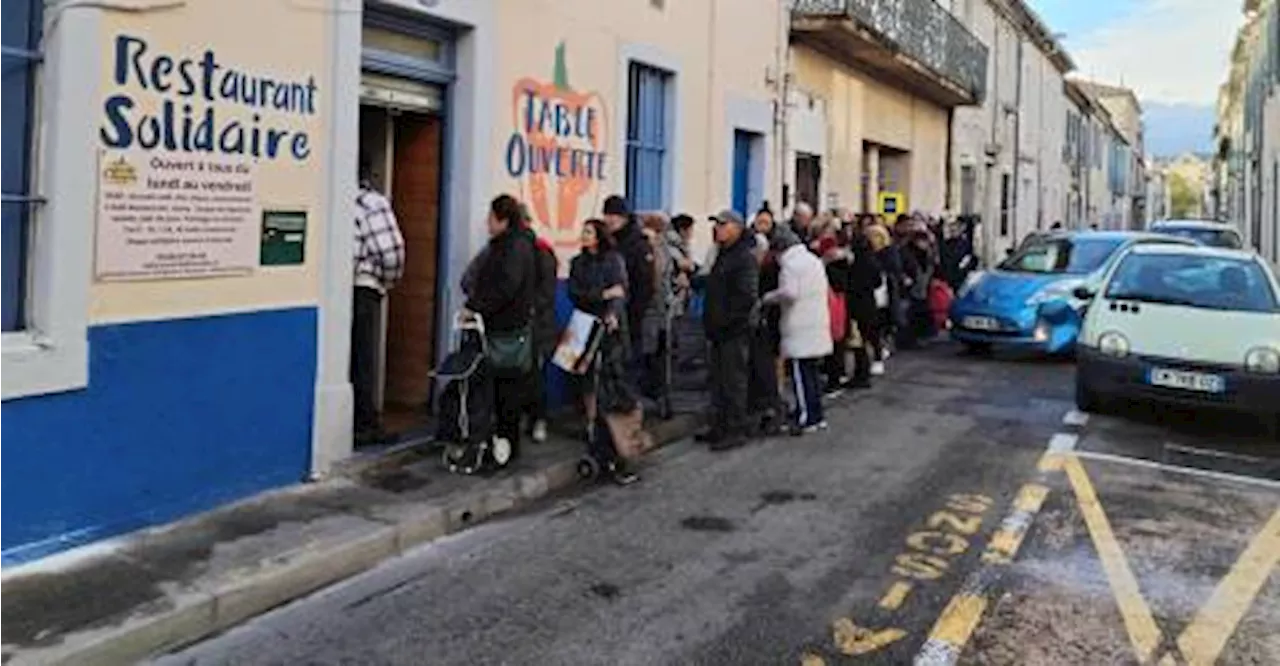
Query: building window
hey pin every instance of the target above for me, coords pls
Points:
(21, 41)
(1004, 204)
(648, 125)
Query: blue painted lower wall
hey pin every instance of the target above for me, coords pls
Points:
(179, 416)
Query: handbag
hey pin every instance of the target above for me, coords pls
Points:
(882, 294)
(839, 315)
(511, 351)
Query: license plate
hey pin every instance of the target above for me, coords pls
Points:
(981, 323)
(1186, 381)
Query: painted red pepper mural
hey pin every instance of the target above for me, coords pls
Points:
(556, 151)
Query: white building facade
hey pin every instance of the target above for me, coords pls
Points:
(1007, 164)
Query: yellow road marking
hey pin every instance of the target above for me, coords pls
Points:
(1143, 632)
(853, 640)
(959, 619)
(896, 595)
(1202, 641)
(1004, 544)
(812, 660)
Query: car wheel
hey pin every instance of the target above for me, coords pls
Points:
(1087, 399)
(978, 348)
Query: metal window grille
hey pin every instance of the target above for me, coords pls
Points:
(647, 136)
(21, 58)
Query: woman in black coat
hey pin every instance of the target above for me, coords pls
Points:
(865, 276)
(503, 295)
(597, 286)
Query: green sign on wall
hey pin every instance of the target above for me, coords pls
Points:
(284, 237)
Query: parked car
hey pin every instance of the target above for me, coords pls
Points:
(1194, 326)
(1213, 234)
(1027, 300)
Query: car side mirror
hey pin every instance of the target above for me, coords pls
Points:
(1083, 293)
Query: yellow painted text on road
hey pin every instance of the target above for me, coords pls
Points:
(896, 594)
(852, 640)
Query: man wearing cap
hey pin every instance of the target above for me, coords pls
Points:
(729, 318)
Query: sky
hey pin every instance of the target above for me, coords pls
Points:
(1168, 51)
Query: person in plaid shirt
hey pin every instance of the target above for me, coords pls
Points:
(379, 264)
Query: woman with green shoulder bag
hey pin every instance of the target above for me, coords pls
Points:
(503, 295)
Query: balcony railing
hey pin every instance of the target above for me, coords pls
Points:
(918, 29)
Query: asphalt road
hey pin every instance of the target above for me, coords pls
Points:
(928, 524)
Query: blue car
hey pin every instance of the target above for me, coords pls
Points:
(1028, 301)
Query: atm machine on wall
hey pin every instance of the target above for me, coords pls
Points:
(400, 134)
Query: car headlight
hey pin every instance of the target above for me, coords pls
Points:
(1262, 359)
(970, 281)
(1057, 291)
(1112, 343)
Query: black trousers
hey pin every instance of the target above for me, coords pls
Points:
(510, 396)
(762, 395)
(730, 360)
(366, 309)
(863, 356)
(535, 406)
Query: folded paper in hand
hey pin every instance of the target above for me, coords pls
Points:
(578, 343)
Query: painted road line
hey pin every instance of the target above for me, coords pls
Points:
(962, 615)
(1075, 417)
(1138, 621)
(896, 594)
(1005, 542)
(1179, 469)
(1202, 641)
(1210, 453)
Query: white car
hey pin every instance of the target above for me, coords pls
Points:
(1189, 325)
(1213, 234)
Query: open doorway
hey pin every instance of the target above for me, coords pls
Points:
(404, 147)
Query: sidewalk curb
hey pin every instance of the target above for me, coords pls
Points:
(191, 615)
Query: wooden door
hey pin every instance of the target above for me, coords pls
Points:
(411, 320)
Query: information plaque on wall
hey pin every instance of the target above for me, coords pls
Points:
(284, 237)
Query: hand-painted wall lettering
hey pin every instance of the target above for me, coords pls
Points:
(193, 115)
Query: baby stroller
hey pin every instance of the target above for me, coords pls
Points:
(467, 421)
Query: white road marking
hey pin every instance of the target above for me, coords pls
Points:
(1075, 417)
(1192, 450)
(1178, 469)
(1062, 443)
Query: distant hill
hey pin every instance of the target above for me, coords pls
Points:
(1175, 129)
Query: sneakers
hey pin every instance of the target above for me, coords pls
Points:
(877, 367)
(621, 475)
(810, 429)
(539, 433)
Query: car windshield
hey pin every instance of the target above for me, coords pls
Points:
(1212, 237)
(1217, 283)
(1061, 255)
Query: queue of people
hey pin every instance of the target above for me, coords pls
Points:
(804, 308)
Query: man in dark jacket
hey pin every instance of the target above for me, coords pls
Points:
(730, 316)
(637, 252)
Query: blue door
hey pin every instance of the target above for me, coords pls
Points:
(741, 171)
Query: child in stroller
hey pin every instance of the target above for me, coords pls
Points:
(467, 421)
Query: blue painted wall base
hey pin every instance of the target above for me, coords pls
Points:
(179, 416)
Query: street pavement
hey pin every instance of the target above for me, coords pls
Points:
(959, 512)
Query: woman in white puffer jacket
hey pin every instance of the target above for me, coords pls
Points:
(805, 326)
